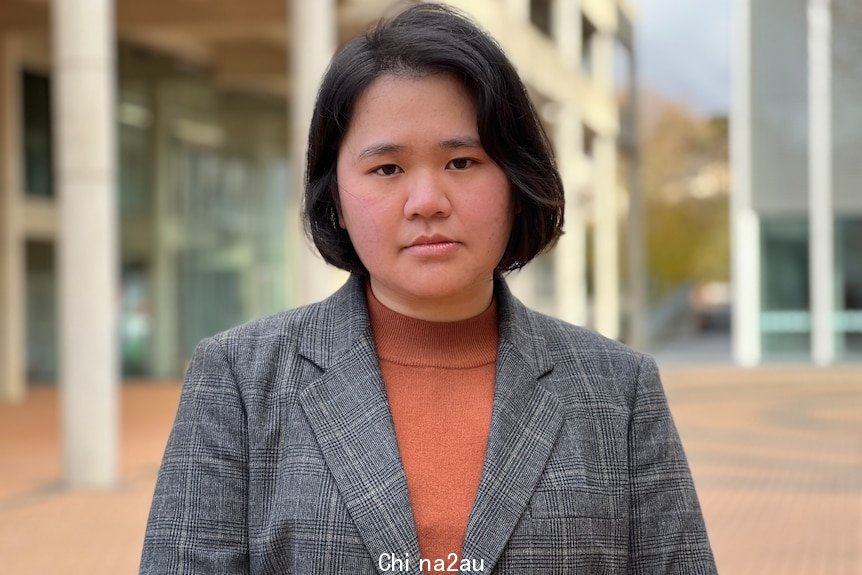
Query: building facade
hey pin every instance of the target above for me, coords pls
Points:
(151, 157)
(797, 190)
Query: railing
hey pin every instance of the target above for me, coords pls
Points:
(799, 321)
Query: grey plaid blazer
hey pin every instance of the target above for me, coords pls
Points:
(283, 457)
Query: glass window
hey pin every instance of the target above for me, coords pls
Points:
(136, 319)
(204, 192)
(785, 318)
(848, 273)
(41, 312)
(540, 15)
(38, 162)
(135, 169)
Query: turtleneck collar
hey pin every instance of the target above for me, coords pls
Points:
(409, 341)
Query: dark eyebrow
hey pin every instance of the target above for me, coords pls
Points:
(465, 142)
(389, 148)
(380, 150)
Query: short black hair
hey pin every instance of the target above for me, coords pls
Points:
(427, 39)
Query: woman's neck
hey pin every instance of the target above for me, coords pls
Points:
(446, 308)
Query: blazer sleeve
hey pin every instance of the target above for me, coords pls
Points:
(667, 533)
(198, 521)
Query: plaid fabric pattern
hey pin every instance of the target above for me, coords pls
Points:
(283, 458)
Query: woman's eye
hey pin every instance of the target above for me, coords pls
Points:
(460, 164)
(387, 170)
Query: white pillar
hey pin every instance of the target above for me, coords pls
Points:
(570, 265)
(570, 255)
(637, 235)
(12, 266)
(519, 9)
(313, 41)
(745, 225)
(167, 359)
(84, 111)
(602, 47)
(566, 23)
(820, 182)
(606, 244)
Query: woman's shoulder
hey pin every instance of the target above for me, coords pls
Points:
(565, 339)
(310, 331)
(590, 362)
(273, 328)
(584, 339)
(558, 340)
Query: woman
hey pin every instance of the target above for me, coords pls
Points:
(421, 419)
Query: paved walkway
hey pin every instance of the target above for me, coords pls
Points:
(777, 458)
(776, 454)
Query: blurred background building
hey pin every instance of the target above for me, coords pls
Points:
(797, 180)
(151, 156)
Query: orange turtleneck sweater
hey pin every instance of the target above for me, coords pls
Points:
(439, 378)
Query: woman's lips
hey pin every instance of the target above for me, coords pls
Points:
(434, 246)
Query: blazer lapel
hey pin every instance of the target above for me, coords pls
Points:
(349, 414)
(525, 422)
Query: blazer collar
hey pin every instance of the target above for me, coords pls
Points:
(346, 310)
(349, 414)
(339, 322)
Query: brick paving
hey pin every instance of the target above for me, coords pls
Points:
(47, 529)
(777, 459)
(776, 454)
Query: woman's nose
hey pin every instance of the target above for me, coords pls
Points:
(427, 197)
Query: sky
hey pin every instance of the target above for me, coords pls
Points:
(683, 49)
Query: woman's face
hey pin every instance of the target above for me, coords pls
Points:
(429, 213)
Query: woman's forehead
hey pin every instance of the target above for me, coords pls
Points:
(392, 108)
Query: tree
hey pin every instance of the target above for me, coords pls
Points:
(686, 181)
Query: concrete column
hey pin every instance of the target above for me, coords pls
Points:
(167, 359)
(519, 9)
(12, 265)
(313, 41)
(567, 31)
(637, 234)
(821, 233)
(606, 245)
(745, 224)
(84, 111)
(602, 47)
(570, 267)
